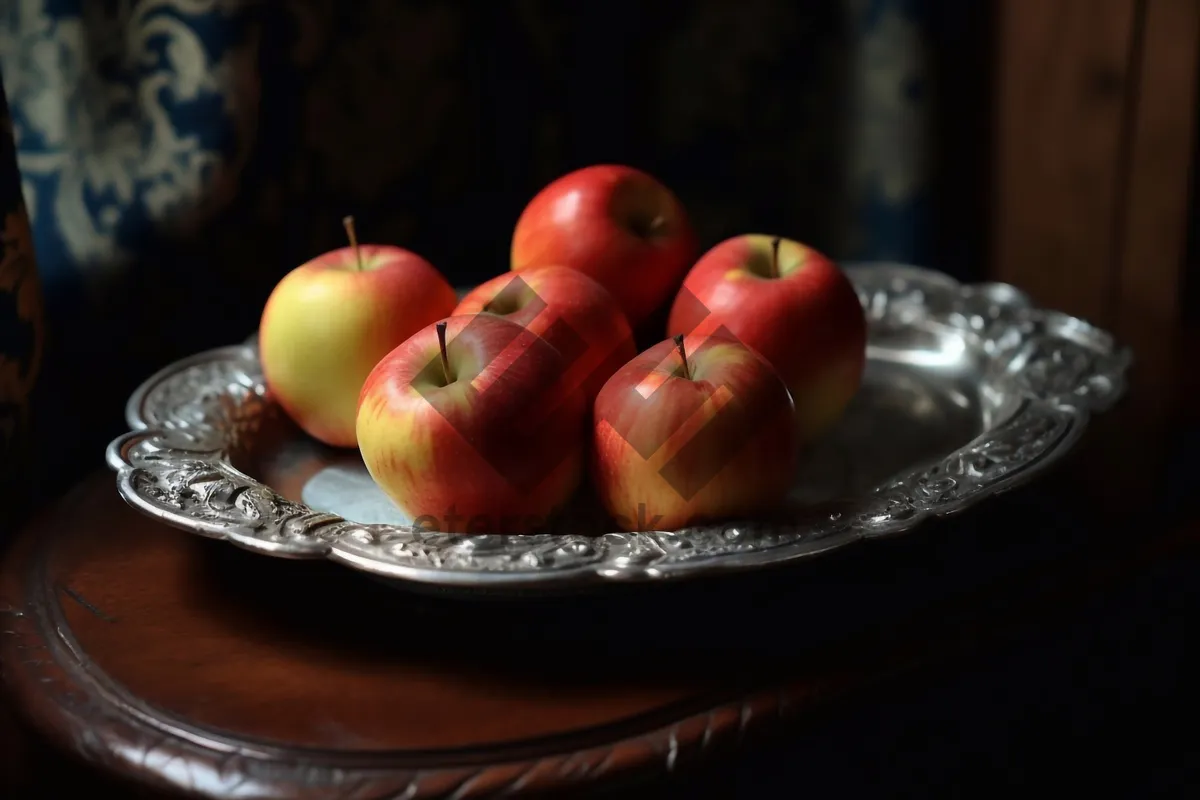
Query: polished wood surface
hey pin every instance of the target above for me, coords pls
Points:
(1095, 109)
(183, 663)
(329, 681)
(1152, 230)
(1063, 74)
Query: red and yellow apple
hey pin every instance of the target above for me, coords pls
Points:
(694, 429)
(469, 428)
(793, 306)
(330, 320)
(617, 225)
(567, 309)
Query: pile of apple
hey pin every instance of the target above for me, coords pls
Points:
(488, 415)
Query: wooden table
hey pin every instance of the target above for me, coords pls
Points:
(183, 664)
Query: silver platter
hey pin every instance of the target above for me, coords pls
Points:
(968, 392)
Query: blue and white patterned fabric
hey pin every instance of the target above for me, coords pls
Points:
(179, 156)
(129, 117)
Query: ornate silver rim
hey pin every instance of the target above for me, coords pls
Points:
(186, 420)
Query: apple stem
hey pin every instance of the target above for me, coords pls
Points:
(687, 370)
(441, 334)
(775, 257)
(348, 224)
(657, 223)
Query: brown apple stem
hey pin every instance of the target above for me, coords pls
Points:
(775, 257)
(348, 224)
(441, 333)
(657, 224)
(687, 370)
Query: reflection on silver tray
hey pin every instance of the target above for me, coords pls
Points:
(968, 392)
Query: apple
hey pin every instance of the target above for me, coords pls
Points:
(330, 320)
(615, 224)
(792, 305)
(567, 309)
(696, 428)
(469, 428)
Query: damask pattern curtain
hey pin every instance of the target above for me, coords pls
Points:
(178, 156)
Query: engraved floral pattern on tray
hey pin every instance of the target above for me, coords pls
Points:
(1055, 370)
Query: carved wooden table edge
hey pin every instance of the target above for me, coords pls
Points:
(75, 705)
(108, 728)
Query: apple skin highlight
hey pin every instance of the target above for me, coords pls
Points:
(616, 224)
(806, 319)
(673, 447)
(496, 448)
(329, 321)
(569, 310)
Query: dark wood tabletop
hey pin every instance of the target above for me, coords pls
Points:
(184, 665)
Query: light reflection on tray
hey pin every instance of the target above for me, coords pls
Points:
(968, 392)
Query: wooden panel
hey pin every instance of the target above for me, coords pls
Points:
(1062, 80)
(1096, 110)
(1146, 304)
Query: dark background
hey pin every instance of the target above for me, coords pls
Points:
(438, 140)
(1104, 704)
